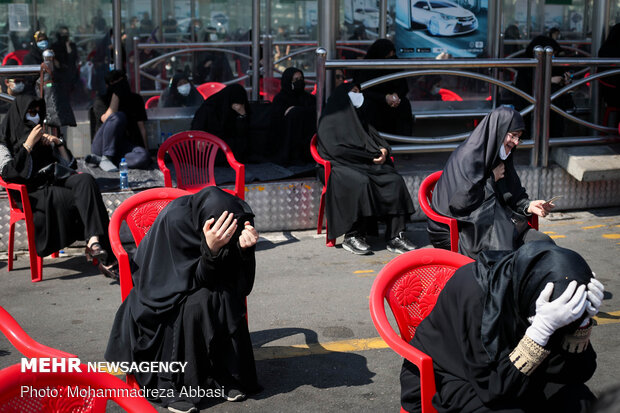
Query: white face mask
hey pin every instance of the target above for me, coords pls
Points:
(184, 89)
(502, 152)
(18, 87)
(213, 37)
(34, 119)
(357, 99)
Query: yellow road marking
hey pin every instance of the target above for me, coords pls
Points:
(594, 226)
(344, 346)
(608, 318)
(548, 232)
(363, 271)
(557, 236)
(611, 236)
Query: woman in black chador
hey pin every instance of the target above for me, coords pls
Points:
(225, 115)
(388, 108)
(66, 206)
(180, 92)
(194, 269)
(364, 185)
(510, 333)
(480, 188)
(293, 119)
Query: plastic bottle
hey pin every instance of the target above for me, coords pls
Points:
(162, 138)
(123, 170)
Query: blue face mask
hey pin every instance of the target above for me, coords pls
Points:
(43, 44)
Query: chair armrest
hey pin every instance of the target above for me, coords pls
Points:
(23, 342)
(239, 169)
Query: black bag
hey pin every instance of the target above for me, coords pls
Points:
(55, 173)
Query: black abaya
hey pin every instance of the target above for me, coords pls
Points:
(357, 187)
(216, 116)
(377, 112)
(293, 130)
(480, 318)
(491, 215)
(610, 85)
(63, 212)
(188, 304)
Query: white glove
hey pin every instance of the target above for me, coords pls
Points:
(552, 315)
(595, 296)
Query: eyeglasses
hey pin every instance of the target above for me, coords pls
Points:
(515, 137)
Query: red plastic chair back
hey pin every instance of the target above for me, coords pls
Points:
(410, 284)
(139, 212)
(425, 197)
(152, 102)
(18, 213)
(17, 55)
(209, 88)
(269, 87)
(327, 166)
(448, 95)
(193, 156)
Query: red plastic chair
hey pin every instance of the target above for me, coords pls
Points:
(17, 55)
(12, 380)
(425, 197)
(193, 156)
(448, 95)
(139, 212)
(327, 166)
(152, 102)
(210, 88)
(269, 87)
(18, 213)
(410, 284)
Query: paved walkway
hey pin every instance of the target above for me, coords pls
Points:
(315, 345)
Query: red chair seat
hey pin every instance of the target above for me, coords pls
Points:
(152, 102)
(209, 88)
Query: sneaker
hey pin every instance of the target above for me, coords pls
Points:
(182, 407)
(400, 244)
(234, 395)
(356, 245)
(92, 159)
(107, 165)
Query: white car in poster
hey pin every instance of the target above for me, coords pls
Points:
(369, 17)
(443, 18)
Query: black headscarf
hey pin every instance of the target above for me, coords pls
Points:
(169, 254)
(511, 283)
(172, 98)
(286, 82)
(216, 115)
(542, 41)
(15, 128)
(611, 45)
(472, 163)
(288, 96)
(380, 49)
(338, 100)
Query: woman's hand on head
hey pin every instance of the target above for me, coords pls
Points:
(540, 207)
(381, 159)
(218, 233)
(499, 171)
(248, 237)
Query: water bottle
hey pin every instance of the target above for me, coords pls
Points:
(124, 175)
(162, 138)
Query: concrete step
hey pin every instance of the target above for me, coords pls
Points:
(589, 163)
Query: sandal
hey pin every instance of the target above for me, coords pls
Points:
(96, 252)
(110, 272)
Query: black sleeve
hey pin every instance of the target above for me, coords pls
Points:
(208, 266)
(17, 168)
(137, 105)
(510, 188)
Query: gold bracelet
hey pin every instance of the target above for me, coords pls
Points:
(28, 147)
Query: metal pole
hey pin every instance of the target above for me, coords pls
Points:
(136, 65)
(255, 48)
(383, 19)
(600, 27)
(328, 28)
(268, 17)
(118, 47)
(537, 88)
(157, 6)
(546, 102)
(321, 56)
(268, 55)
(495, 38)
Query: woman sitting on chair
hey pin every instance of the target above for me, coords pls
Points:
(480, 188)
(180, 92)
(195, 268)
(66, 206)
(510, 333)
(364, 185)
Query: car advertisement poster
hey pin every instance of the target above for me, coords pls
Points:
(426, 28)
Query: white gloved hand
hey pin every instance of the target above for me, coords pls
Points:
(552, 315)
(595, 296)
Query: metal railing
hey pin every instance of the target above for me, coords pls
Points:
(540, 102)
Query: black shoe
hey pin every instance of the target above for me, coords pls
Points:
(234, 395)
(356, 245)
(182, 406)
(400, 244)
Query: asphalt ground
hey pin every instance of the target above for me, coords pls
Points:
(315, 344)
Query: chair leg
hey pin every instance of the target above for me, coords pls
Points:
(36, 262)
(55, 254)
(11, 244)
(321, 212)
